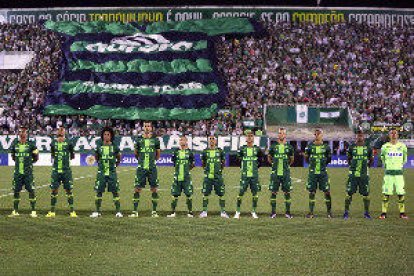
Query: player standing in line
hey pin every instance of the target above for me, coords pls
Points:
(281, 156)
(108, 157)
(183, 160)
(62, 152)
(318, 155)
(360, 158)
(213, 162)
(394, 155)
(250, 156)
(147, 151)
(24, 153)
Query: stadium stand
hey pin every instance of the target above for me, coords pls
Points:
(367, 69)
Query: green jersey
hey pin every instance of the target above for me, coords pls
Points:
(107, 160)
(62, 152)
(359, 158)
(394, 157)
(319, 157)
(281, 154)
(23, 156)
(213, 160)
(146, 149)
(183, 160)
(250, 160)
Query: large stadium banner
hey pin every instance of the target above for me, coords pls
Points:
(156, 71)
(126, 143)
(398, 18)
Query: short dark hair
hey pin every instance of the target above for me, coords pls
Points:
(110, 130)
(391, 129)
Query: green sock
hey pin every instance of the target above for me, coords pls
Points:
(190, 204)
(32, 199)
(255, 199)
(287, 202)
(328, 202)
(174, 202)
(98, 202)
(222, 203)
(348, 200)
(239, 202)
(367, 201)
(311, 202)
(154, 201)
(70, 200)
(117, 202)
(136, 201)
(273, 203)
(205, 203)
(16, 201)
(53, 201)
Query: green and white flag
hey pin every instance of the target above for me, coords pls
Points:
(301, 114)
(331, 114)
(157, 71)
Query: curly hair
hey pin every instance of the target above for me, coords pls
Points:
(110, 130)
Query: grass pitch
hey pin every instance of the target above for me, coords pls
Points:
(203, 246)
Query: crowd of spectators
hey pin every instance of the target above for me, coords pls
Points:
(367, 68)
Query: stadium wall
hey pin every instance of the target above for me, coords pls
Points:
(88, 159)
(126, 143)
(386, 17)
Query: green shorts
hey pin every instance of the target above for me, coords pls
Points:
(393, 182)
(106, 181)
(252, 182)
(280, 181)
(216, 183)
(64, 177)
(318, 181)
(185, 186)
(23, 180)
(358, 183)
(142, 175)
